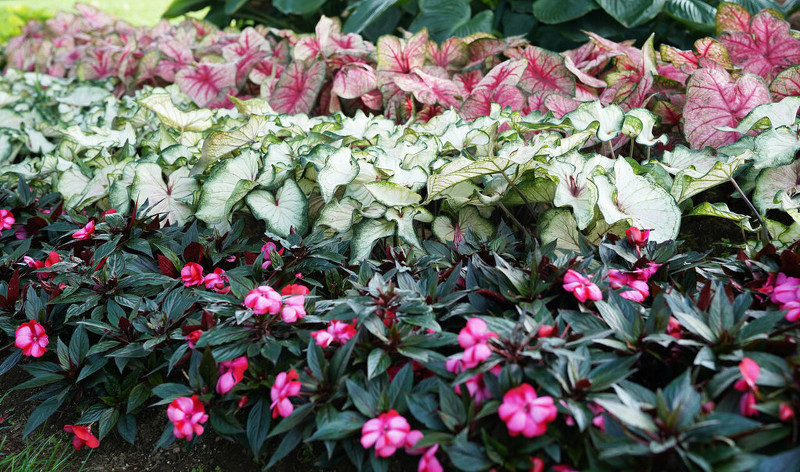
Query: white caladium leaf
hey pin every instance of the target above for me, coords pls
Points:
(338, 215)
(362, 126)
(559, 225)
(777, 187)
(639, 123)
(101, 137)
(607, 120)
(639, 202)
(574, 187)
(98, 187)
(227, 184)
(775, 147)
(340, 169)
(404, 218)
(253, 106)
(463, 169)
(161, 104)
(119, 195)
(357, 188)
(70, 185)
(468, 219)
(365, 234)
(768, 115)
(689, 182)
(682, 158)
(287, 209)
(392, 194)
(171, 198)
(220, 143)
(278, 165)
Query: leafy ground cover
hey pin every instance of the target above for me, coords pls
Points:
(473, 288)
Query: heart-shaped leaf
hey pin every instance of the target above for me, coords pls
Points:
(170, 198)
(287, 209)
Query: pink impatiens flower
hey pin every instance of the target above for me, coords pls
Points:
(428, 462)
(525, 413)
(387, 433)
(294, 303)
(336, 332)
(83, 436)
(230, 374)
(216, 281)
(581, 287)
(85, 232)
(750, 372)
(192, 274)
(637, 237)
(263, 299)
(187, 415)
(31, 338)
(267, 249)
(193, 337)
(785, 412)
(786, 295)
(747, 404)
(286, 385)
(474, 339)
(637, 285)
(6, 220)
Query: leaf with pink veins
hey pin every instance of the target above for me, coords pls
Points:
(207, 83)
(506, 73)
(479, 103)
(766, 50)
(451, 54)
(354, 80)
(246, 52)
(402, 55)
(786, 84)
(545, 71)
(715, 99)
(732, 17)
(297, 88)
(428, 89)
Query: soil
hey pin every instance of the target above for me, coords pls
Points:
(212, 454)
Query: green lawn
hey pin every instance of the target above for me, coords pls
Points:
(138, 12)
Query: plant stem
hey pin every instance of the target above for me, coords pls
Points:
(515, 220)
(765, 236)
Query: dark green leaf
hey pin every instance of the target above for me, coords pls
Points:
(559, 11)
(258, 422)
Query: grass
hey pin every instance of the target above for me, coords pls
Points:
(137, 12)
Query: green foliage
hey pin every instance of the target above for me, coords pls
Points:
(14, 17)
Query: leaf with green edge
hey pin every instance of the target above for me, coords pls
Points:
(786, 83)
(770, 182)
(404, 218)
(340, 169)
(574, 187)
(689, 182)
(401, 56)
(392, 194)
(221, 143)
(365, 234)
(721, 210)
(768, 115)
(607, 121)
(639, 201)
(338, 215)
(468, 219)
(559, 225)
(297, 89)
(286, 210)
(170, 198)
(560, 11)
(639, 122)
(775, 147)
(227, 184)
(765, 48)
(463, 169)
(161, 104)
(545, 71)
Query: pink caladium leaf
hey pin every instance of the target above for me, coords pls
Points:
(467, 81)
(306, 48)
(715, 99)
(264, 70)
(559, 104)
(298, 87)
(207, 83)
(451, 54)
(95, 18)
(479, 103)
(246, 52)
(629, 94)
(428, 89)
(766, 50)
(507, 73)
(545, 71)
(98, 63)
(786, 84)
(354, 80)
(482, 49)
(733, 18)
(401, 56)
(626, 56)
(582, 76)
(591, 59)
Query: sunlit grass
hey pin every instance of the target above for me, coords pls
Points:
(138, 12)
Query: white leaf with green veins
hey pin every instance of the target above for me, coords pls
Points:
(365, 234)
(768, 115)
(357, 188)
(607, 120)
(690, 182)
(253, 106)
(639, 122)
(119, 195)
(559, 225)
(340, 169)
(682, 158)
(462, 169)
(220, 143)
(70, 185)
(171, 198)
(278, 165)
(161, 104)
(639, 202)
(405, 223)
(775, 147)
(391, 194)
(287, 209)
(98, 187)
(361, 126)
(227, 184)
(101, 137)
(468, 218)
(338, 215)
(770, 182)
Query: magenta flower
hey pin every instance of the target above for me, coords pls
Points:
(187, 415)
(387, 433)
(230, 374)
(336, 332)
(638, 288)
(31, 338)
(787, 289)
(785, 412)
(294, 303)
(193, 337)
(747, 404)
(674, 327)
(85, 232)
(286, 385)
(792, 310)
(525, 413)
(637, 237)
(581, 287)
(267, 249)
(192, 274)
(6, 220)
(474, 339)
(216, 281)
(263, 299)
(428, 462)
(750, 372)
